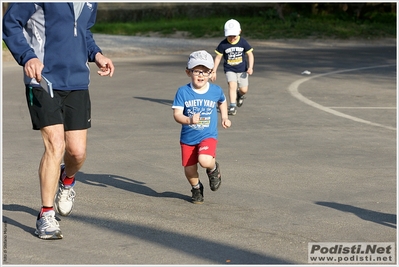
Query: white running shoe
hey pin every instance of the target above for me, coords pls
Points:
(47, 226)
(63, 202)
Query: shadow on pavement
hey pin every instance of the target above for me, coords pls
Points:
(19, 208)
(385, 219)
(124, 183)
(216, 252)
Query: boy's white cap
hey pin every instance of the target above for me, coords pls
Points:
(198, 58)
(232, 28)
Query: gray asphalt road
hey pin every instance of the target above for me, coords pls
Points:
(309, 158)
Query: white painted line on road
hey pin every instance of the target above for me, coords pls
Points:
(363, 107)
(293, 89)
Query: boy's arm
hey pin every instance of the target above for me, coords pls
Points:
(218, 58)
(251, 60)
(226, 123)
(183, 119)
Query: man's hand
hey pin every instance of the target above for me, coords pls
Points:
(105, 65)
(33, 69)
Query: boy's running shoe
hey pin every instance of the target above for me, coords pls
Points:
(65, 196)
(232, 110)
(198, 195)
(215, 178)
(47, 226)
(240, 99)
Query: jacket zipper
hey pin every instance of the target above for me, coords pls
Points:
(75, 30)
(77, 10)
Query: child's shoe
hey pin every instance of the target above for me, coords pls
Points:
(240, 99)
(198, 195)
(215, 178)
(232, 110)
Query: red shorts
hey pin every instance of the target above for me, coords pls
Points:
(190, 154)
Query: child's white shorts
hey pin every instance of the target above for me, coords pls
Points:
(241, 78)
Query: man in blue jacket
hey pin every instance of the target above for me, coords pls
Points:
(53, 43)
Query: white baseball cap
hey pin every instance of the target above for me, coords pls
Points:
(198, 58)
(232, 28)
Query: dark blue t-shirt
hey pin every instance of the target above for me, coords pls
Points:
(234, 55)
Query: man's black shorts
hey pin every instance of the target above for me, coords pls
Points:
(71, 108)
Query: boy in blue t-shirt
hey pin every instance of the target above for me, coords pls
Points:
(195, 107)
(238, 63)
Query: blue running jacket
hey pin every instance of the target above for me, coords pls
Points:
(56, 33)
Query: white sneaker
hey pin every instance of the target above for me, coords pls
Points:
(47, 226)
(64, 199)
(63, 202)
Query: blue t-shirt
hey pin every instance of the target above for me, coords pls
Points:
(234, 54)
(192, 102)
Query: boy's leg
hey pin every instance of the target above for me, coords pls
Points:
(232, 109)
(242, 91)
(242, 88)
(197, 189)
(233, 92)
(191, 173)
(207, 159)
(189, 162)
(241, 95)
(232, 82)
(215, 178)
